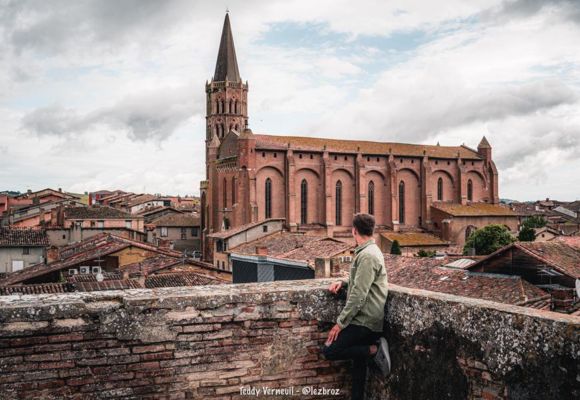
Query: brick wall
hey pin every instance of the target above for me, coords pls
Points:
(171, 343)
(207, 342)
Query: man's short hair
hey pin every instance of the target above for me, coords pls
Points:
(364, 224)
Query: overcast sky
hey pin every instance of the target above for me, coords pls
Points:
(109, 94)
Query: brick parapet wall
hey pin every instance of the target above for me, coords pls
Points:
(207, 342)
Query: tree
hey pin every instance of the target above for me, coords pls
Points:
(425, 253)
(535, 221)
(395, 248)
(527, 234)
(488, 239)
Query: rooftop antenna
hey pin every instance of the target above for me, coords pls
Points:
(227, 10)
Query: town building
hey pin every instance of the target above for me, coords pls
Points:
(286, 256)
(20, 248)
(222, 242)
(180, 230)
(319, 183)
(454, 222)
(411, 243)
(108, 257)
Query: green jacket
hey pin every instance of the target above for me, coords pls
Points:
(366, 289)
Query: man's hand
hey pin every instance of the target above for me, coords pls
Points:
(333, 334)
(335, 287)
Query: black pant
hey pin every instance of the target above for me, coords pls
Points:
(353, 343)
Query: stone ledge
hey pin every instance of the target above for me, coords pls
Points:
(208, 341)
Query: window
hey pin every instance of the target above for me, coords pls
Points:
(25, 251)
(338, 203)
(371, 198)
(195, 231)
(265, 228)
(128, 224)
(268, 199)
(100, 224)
(225, 193)
(183, 233)
(303, 201)
(440, 189)
(163, 231)
(402, 202)
(234, 191)
(469, 190)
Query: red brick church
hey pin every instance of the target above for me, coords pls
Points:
(319, 183)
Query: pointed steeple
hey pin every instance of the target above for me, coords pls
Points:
(227, 65)
(484, 144)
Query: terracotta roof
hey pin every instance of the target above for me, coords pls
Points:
(140, 199)
(321, 248)
(86, 250)
(414, 239)
(573, 241)
(37, 289)
(556, 254)
(23, 237)
(365, 147)
(234, 231)
(560, 255)
(425, 273)
(95, 212)
(177, 220)
(109, 284)
(473, 209)
(180, 279)
(151, 264)
(277, 243)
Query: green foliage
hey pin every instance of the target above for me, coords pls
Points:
(488, 239)
(396, 248)
(425, 253)
(527, 234)
(535, 221)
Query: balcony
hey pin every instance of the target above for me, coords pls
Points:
(213, 342)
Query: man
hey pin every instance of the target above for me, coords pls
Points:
(358, 331)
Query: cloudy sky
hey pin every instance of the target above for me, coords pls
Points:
(110, 94)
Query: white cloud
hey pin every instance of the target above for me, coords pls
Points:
(112, 95)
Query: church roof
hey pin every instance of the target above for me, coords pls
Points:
(474, 209)
(227, 65)
(484, 144)
(366, 147)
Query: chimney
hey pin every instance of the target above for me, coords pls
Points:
(60, 190)
(51, 254)
(322, 267)
(262, 250)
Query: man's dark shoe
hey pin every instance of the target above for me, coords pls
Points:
(382, 357)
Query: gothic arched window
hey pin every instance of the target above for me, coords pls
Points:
(338, 199)
(234, 191)
(268, 198)
(223, 130)
(371, 198)
(225, 194)
(402, 202)
(236, 107)
(440, 189)
(231, 110)
(303, 201)
(469, 190)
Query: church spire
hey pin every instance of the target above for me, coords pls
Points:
(226, 67)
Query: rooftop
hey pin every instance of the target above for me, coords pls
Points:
(95, 212)
(427, 273)
(365, 147)
(414, 239)
(23, 237)
(474, 209)
(177, 220)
